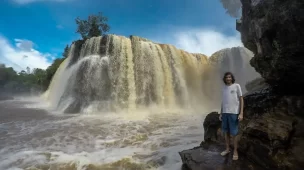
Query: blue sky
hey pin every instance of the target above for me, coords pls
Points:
(42, 28)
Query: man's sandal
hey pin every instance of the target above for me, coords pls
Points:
(224, 153)
(235, 157)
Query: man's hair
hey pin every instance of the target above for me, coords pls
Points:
(227, 74)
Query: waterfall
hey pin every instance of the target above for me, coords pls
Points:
(235, 60)
(112, 73)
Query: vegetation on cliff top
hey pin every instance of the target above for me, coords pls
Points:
(95, 25)
(38, 80)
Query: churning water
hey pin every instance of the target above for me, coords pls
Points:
(35, 139)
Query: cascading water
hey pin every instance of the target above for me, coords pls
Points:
(128, 73)
(235, 60)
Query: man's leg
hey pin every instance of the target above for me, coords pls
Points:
(233, 129)
(235, 145)
(227, 140)
(225, 130)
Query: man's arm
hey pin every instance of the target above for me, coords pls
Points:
(240, 94)
(221, 112)
(241, 105)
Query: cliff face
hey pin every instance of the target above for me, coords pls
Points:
(273, 30)
(272, 132)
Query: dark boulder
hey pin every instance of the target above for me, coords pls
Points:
(211, 126)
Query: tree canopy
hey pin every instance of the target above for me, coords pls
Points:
(95, 25)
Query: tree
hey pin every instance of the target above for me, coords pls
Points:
(65, 53)
(95, 25)
(27, 81)
(40, 77)
(22, 72)
(6, 74)
(28, 70)
(51, 70)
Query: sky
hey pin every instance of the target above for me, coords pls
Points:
(34, 32)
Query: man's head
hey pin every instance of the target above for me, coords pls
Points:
(228, 78)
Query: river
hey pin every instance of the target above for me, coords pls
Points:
(33, 137)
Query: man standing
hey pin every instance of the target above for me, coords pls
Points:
(231, 112)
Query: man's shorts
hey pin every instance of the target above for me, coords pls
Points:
(230, 123)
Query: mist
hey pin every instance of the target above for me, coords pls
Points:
(232, 7)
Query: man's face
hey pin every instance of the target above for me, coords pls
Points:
(228, 79)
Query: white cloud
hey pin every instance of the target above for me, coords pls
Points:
(205, 41)
(22, 55)
(25, 45)
(22, 2)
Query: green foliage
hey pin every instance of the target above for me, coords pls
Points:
(65, 53)
(95, 25)
(13, 82)
(25, 81)
(6, 74)
(51, 70)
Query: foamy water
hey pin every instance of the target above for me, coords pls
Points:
(150, 140)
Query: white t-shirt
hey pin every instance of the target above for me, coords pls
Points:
(230, 98)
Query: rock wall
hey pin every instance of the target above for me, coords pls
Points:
(273, 30)
(272, 133)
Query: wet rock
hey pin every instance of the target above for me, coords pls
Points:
(273, 30)
(211, 126)
(207, 157)
(272, 130)
(76, 52)
(256, 84)
(73, 108)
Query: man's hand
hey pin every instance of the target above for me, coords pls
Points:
(240, 116)
(220, 117)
